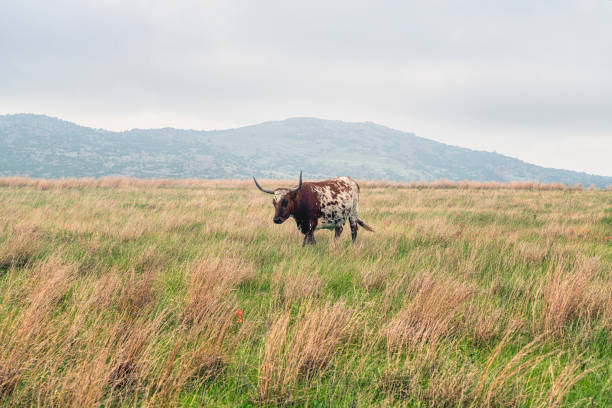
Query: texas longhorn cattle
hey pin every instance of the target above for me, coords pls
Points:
(324, 204)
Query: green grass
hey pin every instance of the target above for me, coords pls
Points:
(127, 295)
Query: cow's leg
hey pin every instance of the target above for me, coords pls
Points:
(353, 223)
(338, 231)
(312, 226)
(308, 238)
(309, 235)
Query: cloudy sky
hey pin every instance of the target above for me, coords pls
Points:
(530, 79)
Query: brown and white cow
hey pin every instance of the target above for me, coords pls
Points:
(324, 204)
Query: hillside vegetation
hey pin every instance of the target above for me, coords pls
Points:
(129, 293)
(40, 146)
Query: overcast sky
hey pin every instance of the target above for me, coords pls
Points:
(530, 79)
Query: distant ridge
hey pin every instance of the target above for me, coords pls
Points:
(41, 146)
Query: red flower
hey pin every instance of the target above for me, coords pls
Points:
(238, 315)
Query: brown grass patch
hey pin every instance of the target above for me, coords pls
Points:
(485, 322)
(302, 350)
(532, 254)
(427, 315)
(290, 287)
(199, 352)
(124, 182)
(429, 377)
(564, 296)
(135, 293)
(28, 333)
(374, 277)
(210, 283)
(20, 244)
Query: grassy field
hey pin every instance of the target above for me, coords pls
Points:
(127, 293)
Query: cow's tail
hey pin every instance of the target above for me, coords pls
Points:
(364, 225)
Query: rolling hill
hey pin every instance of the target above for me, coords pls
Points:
(41, 146)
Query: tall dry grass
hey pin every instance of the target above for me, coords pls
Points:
(124, 182)
(566, 296)
(300, 351)
(72, 346)
(431, 306)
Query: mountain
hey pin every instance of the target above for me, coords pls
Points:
(41, 146)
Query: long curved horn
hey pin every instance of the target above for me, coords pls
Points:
(299, 185)
(259, 187)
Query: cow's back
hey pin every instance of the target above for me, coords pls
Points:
(336, 199)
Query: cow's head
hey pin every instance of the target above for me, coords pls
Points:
(284, 200)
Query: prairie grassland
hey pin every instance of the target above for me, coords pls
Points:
(126, 293)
